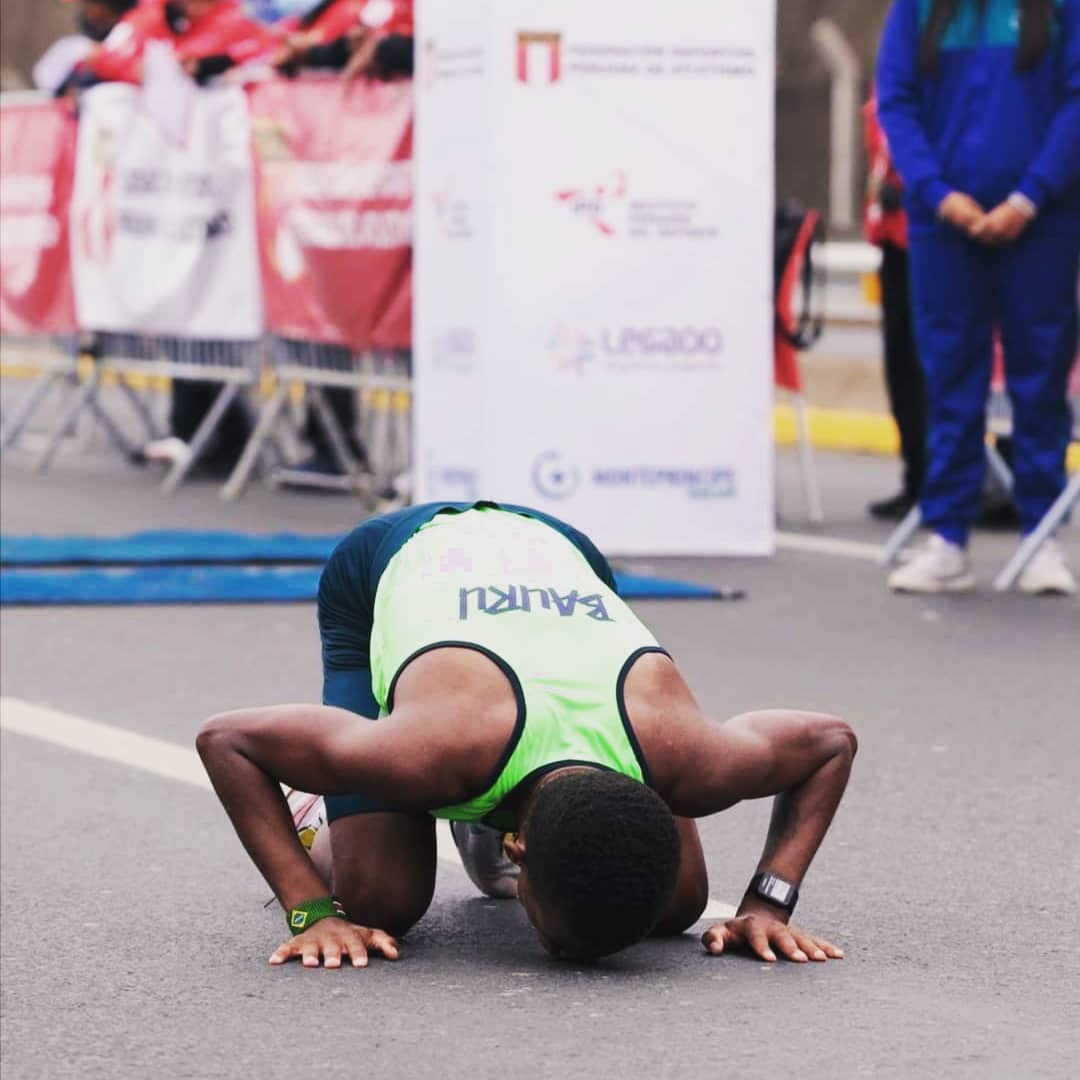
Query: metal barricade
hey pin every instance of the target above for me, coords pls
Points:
(234, 366)
(371, 450)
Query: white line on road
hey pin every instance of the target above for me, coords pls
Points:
(827, 545)
(160, 758)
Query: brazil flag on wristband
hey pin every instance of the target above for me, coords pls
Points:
(307, 914)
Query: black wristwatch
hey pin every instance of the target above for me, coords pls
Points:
(774, 890)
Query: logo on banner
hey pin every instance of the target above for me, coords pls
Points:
(608, 208)
(453, 213)
(597, 205)
(637, 348)
(458, 482)
(571, 349)
(539, 57)
(429, 65)
(553, 478)
(699, 483)
(454, 350)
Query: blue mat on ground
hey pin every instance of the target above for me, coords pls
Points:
(233, 585)
(165, 546)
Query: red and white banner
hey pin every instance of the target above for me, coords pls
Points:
(37, 152)
(334, 187)
(166, 228)
(163, 221)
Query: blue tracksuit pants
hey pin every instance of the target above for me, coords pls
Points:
(961, 291)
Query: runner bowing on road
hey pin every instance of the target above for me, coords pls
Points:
(519, 692)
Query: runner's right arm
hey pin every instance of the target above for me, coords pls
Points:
(315, 748)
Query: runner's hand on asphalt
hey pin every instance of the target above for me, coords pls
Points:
(763, 931)
(331, 939)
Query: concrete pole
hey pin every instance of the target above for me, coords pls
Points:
(842, 63)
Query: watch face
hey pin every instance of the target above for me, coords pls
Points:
(776, 890)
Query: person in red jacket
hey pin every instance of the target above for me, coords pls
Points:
(885, 226)
(209, 37)
(358, 37)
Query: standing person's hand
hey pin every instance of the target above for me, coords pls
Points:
(1003, 225)
(962, 212)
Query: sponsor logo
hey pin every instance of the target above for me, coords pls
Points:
(609, 209)
(553, 478)
(454, 349)
(597, 205)
(453, 213)
(556, 479)
(460, 483)
(494, 600)
(571, 349)
(636, 348)
(539, 57)
(699, 483)
(429, 69)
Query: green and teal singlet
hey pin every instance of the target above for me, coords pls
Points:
(516, 590)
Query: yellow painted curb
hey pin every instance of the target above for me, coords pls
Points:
(839, 429)
(855, 432)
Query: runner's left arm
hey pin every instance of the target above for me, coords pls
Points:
(804, 759)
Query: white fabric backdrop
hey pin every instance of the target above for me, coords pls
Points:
(593, 317)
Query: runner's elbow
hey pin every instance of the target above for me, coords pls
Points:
(843, 734)
(219, 733)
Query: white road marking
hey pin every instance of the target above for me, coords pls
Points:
(827, 545)
(161, 758)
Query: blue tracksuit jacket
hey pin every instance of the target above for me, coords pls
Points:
(979, 126)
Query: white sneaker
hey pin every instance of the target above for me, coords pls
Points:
(488, 866)
(1047, 573)
(939, 567)
(171, 450)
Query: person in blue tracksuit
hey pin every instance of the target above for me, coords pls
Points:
(980, 101)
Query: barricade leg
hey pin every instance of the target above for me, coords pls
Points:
(119, 439)
(28, 406)
(1027, 551)
(202, 436)
(86, 393)
(339, 445)
(263, 429)
(900, 537)
(999, 468)
(814, 510)
(141, 409)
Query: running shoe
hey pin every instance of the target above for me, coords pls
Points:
(308, 812)
(1047, 574)
(488, 867)
(940, 567)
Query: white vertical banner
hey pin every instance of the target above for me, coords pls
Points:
(163, 213)
(594, 266)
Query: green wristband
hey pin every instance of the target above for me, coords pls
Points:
(305, 915)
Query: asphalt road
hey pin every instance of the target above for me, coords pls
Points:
(134, 938)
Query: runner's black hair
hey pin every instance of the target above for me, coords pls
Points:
(1036, 31)
(603, 851)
